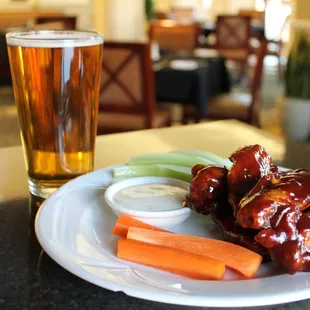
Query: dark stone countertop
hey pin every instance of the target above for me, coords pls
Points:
(29, 279)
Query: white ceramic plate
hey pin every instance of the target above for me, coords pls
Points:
(74, 227)
(184, 64)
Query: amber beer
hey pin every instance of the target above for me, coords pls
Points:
(56, 80)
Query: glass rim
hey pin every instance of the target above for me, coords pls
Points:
(54, 38)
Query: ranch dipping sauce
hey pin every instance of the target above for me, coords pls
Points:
(151, 197)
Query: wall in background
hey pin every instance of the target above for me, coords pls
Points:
(162, 5)
(16, 5)
(99, 16)
(242, 4)
(80, 8)
(120, 19)
(30, 4)
(126, 19)
(301, 9)
(207, 9)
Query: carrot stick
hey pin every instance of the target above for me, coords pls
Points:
(124, 222)
(236, 257)
(172, 260)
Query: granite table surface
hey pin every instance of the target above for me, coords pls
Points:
(29, 279)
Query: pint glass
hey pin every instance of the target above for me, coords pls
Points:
(56, 80)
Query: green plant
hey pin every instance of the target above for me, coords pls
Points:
(149, 9)
(297, 74)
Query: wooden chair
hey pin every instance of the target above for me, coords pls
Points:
(256, 16)
(276, 45)
(20, 19)
(241, 106)
(55, 22)
(127, 94)
(48, 26)
(174, 37)
(160, 15)
(232, 37)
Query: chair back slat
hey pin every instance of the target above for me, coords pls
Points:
(256, 84)
(121, 81)
(173, 36)
(68, 22)
(160, 15)
(127, 79)
(233, 32)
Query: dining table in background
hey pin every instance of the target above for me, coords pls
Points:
(191, 86)
(31, 280)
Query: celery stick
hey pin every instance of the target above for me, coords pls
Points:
(167, 159)
(140, 171)
(196, 153)
(211, 157)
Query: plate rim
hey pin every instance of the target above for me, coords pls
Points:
(164, 297)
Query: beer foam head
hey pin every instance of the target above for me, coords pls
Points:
(53, 38)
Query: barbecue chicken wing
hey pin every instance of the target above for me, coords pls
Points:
(289, 189)
(250, 164)
(257, 206)
(288, 239)
(276, 209)
(208, 189)
(208, 195)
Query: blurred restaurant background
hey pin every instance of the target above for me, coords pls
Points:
(175, 62)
